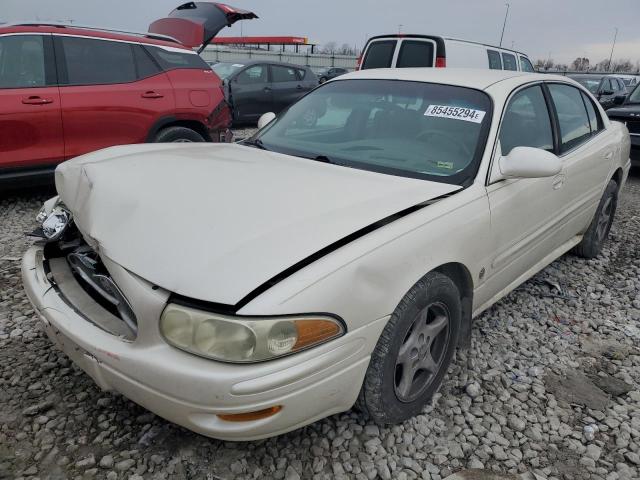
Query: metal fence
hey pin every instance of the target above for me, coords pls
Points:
(313, 60)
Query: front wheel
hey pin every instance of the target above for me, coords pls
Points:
(414, 351)
(598, 231)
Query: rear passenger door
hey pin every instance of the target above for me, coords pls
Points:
(586, 161)
(287, 86)
(30, 125)
(112, 93)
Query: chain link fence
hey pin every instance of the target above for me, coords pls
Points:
(313, 60)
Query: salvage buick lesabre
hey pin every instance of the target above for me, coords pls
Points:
(335, 258)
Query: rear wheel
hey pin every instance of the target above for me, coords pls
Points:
(178, 135)
(413, 352)
(598, 231)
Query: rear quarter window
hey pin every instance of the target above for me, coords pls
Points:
(379, 54)
(172, 59)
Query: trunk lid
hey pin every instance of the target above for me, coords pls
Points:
(195, 24)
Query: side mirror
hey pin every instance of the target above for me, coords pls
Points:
(266, 119)
(606, 92)
(528, 162)
(619, 100)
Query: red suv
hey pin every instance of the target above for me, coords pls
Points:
(66, 91)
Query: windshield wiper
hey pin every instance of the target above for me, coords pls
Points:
(320, 158)
(256, 143)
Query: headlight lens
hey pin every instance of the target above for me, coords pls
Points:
(54, 218)
(56, 223)
(244, 340)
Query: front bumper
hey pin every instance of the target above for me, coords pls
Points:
(635, 150)
(192, 391)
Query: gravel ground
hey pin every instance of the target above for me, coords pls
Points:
(551, 385)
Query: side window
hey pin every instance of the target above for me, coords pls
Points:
(145, 66)
(283, 74)
(509, 61)
(575, 128)
(595, 121)
(301, 73)
(621, 86)
(525, 65)
(253, 75)
(94, 62)
(494, 60)
(526, 122)
(22, 62)
(172, 59)
(379, 54)
(606, 85)
(415, 54)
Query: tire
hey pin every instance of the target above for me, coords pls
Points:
(178, 135)
(385, 397)
(596, 234)
(322, 80)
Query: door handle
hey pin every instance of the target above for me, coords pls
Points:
(36, 100)
(299, 87)
(267, 89)
(152, 94)
(608, 155)
(558, 182)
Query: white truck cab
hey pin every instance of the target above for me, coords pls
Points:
(406, 51)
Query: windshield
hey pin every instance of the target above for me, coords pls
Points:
(634, 97)
(414, 129)
(590, 84)
(225, 70)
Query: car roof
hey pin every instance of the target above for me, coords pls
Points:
(44, 28)
(591, 75)
(463, 77)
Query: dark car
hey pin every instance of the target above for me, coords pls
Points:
(254, 87)
(629, 113)
(331, 72)
(608, 89)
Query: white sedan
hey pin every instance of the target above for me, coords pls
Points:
(337, 257)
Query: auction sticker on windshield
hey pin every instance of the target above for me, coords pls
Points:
(458, 113)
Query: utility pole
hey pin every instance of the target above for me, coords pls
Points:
(615, 37)
(504, 24)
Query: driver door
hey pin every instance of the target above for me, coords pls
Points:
(524, 212)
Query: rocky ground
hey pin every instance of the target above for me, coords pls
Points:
(551, 385)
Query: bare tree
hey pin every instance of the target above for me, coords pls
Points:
(329, 47)
(580, 64)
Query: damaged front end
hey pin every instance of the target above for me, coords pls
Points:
(79, 276)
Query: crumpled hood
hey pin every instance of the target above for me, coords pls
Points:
(214, 222)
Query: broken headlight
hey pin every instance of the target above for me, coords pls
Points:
(244, 340)
(54, 218)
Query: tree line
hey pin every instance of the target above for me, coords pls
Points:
(583, 64)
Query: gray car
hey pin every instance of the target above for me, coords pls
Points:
(254, 87)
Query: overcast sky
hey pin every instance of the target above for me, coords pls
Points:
(564, 29)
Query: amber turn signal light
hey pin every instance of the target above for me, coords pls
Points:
(251, 416)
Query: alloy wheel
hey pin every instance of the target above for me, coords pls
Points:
(422, 351)
(604, 220)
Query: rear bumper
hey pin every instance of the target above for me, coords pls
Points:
(192, 391)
